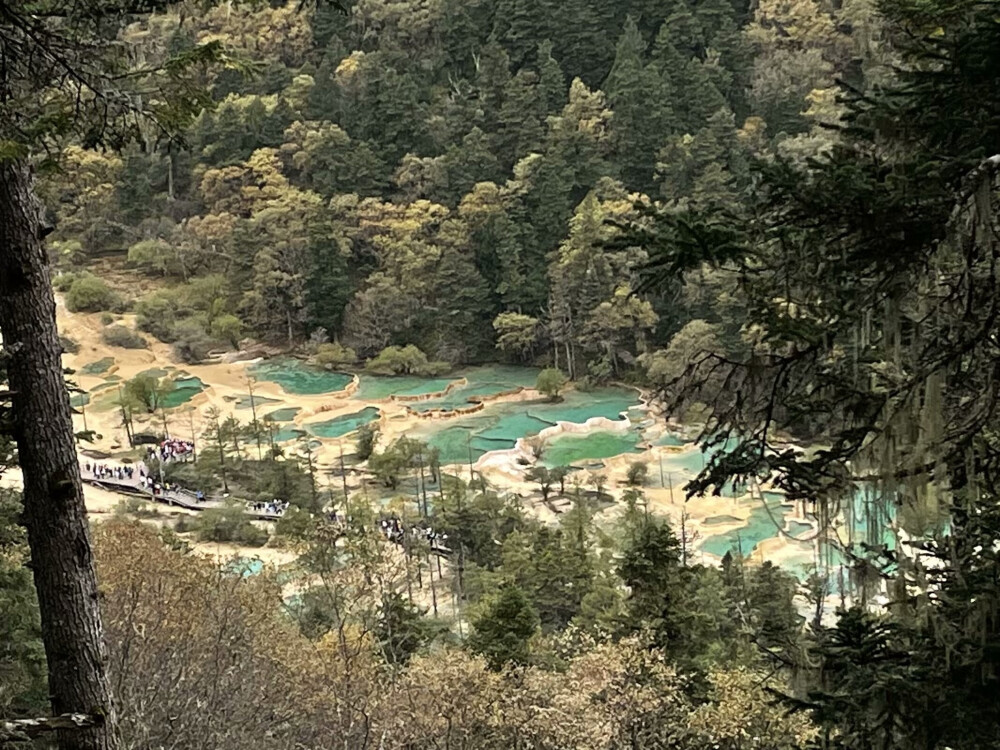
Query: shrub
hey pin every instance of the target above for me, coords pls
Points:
(89, 294)
(638, 472)
(405, 360)
(158, 315)
(228, 523)
(550, 382)
(154, 256)
(124, 337)
(135, 507)
(63, 281)
(107, 319)
(334, 355)
(367, 437)
(191, 343)
(228, 328)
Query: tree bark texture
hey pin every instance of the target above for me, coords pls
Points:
(61, 558)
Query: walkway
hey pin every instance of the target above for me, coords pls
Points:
(180, 497)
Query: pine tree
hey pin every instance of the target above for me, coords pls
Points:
(642, 111)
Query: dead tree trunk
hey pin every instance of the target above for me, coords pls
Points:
(61, 559)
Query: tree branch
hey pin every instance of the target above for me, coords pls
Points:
(24, 730)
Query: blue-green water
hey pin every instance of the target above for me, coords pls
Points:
(300, 379)
(567, 450)
(245, 566)
(99, 367)
(286, 433)
(719, 520)
(79, 399)
(482, 381)
(797, 528)
(376, 388)
(671, 438)
(340, 426)
(499, 425)
(286, 414)
(759, 527)
(245, 402)
(184, 390)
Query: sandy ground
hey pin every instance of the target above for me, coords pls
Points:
(228, 381)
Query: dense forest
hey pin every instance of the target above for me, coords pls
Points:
(452, 175)
(780, 215)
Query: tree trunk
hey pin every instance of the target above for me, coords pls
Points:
(61, 558)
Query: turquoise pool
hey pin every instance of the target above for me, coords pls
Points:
(377, 387)
(568, 450)
(285, 414)
(342, 425)
(482, 381)
(99, 367)
(759, 527)
(499, 425)
(299, 378)
(184, 390)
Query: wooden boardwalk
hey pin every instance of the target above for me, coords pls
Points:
(180, 498)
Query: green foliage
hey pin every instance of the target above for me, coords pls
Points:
(516, 333)
(126, 338)
(551, 382)
(367, 437)
(406, 360)
(147, 391)
(88, 293)
(398, 459)
(334, 355)
(227, 328)
(228, 523)
(401, 630)
(503, 627)
(23, 691)
(638, 473)
(190, 342)
(543, 477)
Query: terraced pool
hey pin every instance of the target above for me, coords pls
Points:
(759, 526)
(568, 450)
(342, 425)
(300, 379)
(377, 388)
(482, 381)
(184, 390)
(99, 367)
(499, 425)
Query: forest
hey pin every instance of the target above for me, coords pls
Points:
(778, 218)
(451, 175)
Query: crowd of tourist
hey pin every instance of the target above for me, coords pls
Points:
(395, 531)
(274, 507)
(103, 471)
(170, 450)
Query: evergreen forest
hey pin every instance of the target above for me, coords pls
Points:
(778, 221)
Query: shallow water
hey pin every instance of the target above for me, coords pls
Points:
(482, 381)
(569, 450)
(499, 425)
(342, 425)
(244, 402)
(300, 379)
(286, 433)
(376, 388)
(285, 414)
(185, 389)
(99, 367)
(758, 527)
